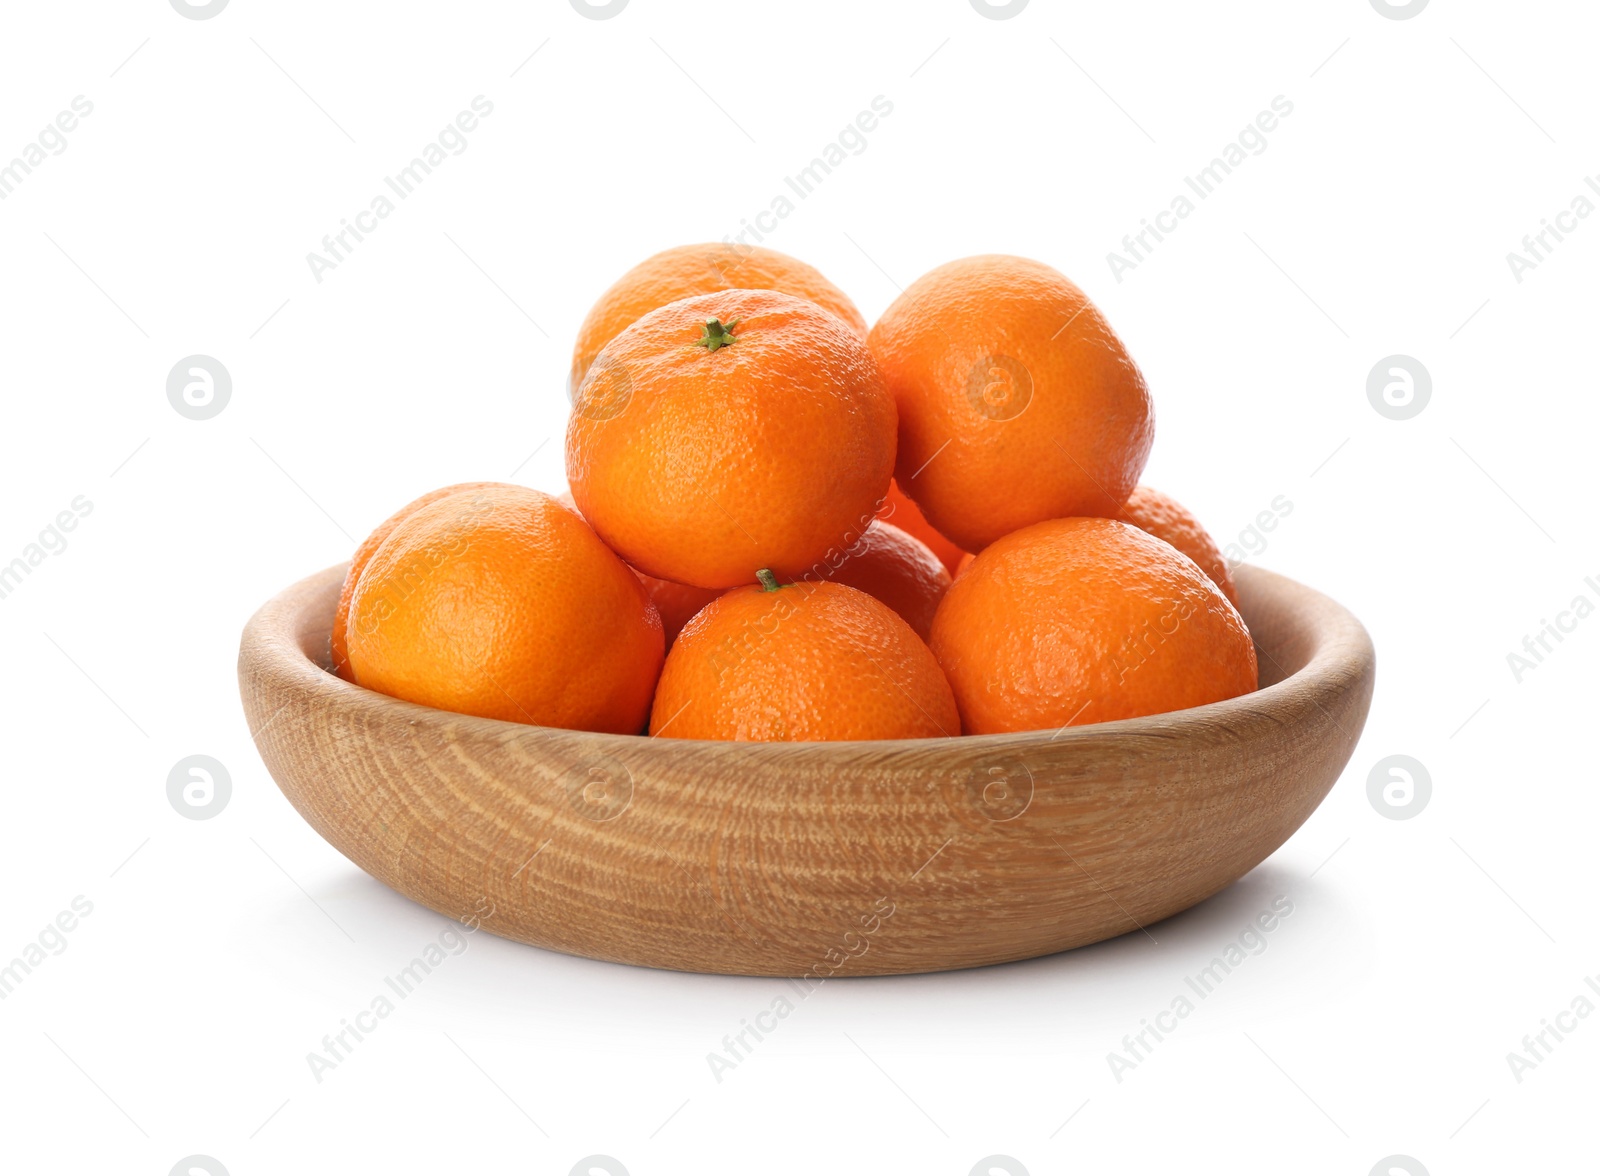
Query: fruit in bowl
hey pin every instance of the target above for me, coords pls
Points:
(1017, 401)
(497, 601)
(729, 432)
(851, 653)
(733, 418)
(1086, 620)
(799, 662)
(687, 270)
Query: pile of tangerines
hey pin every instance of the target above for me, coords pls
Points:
(784, 526)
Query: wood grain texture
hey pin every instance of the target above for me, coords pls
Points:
(822, 859)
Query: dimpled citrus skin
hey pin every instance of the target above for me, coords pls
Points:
(900, 510)
(688, 270)
(1167, 519)
(896, 569)
(676, 603)
(1076, 621)
(338, 649)
(502, 603)
(803, 662)
(700, 466)
(975, 340)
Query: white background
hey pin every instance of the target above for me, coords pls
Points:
(177, 221)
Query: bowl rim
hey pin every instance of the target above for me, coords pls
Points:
(1340, 650)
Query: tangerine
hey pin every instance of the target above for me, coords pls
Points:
(899, 509)
(1083, 620)
(733, 431)
(502, 603)
(338, 648)
(688, 270)
(1017, 401)
(897, 569)
(675, 602)
(1166, 518)
(801, 662)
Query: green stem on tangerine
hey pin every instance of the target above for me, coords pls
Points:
(769, 582)
(716, 335)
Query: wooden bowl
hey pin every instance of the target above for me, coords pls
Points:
(810, 859)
